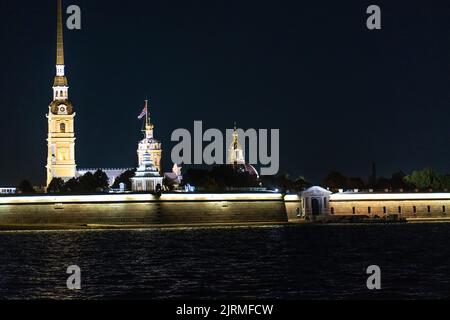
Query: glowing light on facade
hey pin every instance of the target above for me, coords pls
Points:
(139, 198)
(388, 196)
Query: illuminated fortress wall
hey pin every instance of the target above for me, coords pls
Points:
(408, 205)
(293, 207)
(406, 208)
(142, 210)
(382, 204)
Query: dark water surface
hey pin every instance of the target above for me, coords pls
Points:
(288, 262)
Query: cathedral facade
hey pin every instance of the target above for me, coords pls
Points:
(61, 115)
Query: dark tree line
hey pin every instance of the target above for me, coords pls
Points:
(88, 183)
(224, 176)
(284, 183)
(422, 180)
(219, 178)
(25, 187)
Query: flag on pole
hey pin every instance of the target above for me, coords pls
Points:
(144, 111)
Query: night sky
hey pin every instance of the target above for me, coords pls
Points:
(341, 95)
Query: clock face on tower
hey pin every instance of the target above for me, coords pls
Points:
(62, 110)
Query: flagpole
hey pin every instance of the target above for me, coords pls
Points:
(146, 114)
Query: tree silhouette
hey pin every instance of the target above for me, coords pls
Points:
(88, 183)
(56, 186)
(72, 186)
(25, 187)
(124, 177)
(102, 180)
(335, 180)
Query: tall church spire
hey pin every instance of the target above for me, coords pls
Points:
(61, 129)
(60, 85)
(59, 37)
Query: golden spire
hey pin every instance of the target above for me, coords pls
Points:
(59, 37)
(60, 78)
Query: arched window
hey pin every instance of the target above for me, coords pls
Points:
(62, 128)
(57, 94)
(61, 94)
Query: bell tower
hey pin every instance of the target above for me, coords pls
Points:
(61, 115)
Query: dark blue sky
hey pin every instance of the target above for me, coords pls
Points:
(342, 96)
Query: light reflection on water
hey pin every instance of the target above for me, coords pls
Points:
(290, 262)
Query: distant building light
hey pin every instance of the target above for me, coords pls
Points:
(8, 190)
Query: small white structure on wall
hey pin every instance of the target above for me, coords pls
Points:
(315, 201)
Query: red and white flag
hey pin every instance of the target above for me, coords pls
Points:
(144, 111)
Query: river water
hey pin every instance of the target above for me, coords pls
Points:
(283, 262)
